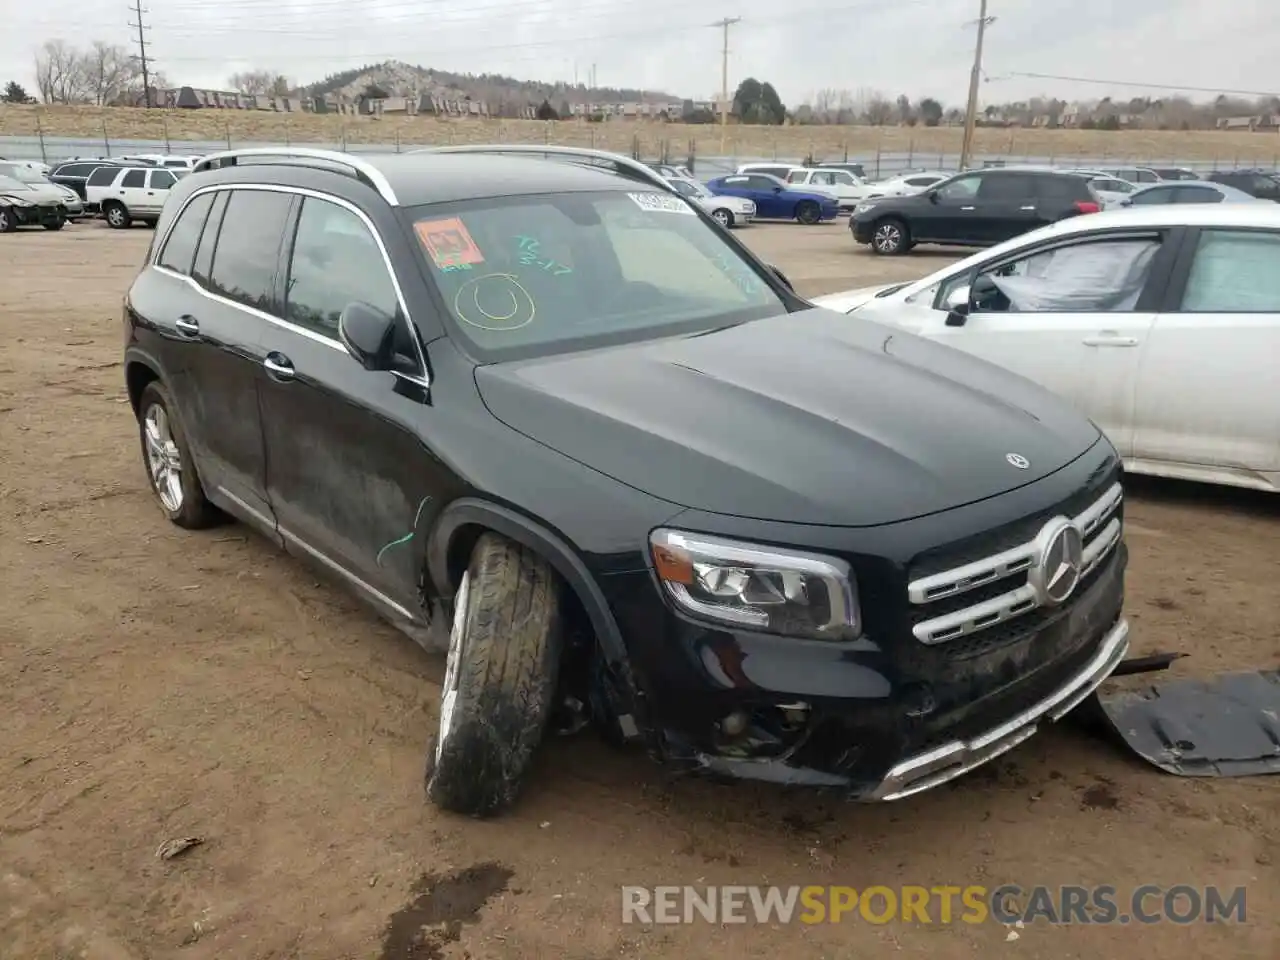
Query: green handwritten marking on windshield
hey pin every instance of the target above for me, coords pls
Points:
(531, 256)
(408, 536)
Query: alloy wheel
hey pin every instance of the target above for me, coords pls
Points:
(164, 461)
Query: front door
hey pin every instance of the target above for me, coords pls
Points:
(159, 183)
(1207, 393)
(1074, 318)
(347, 474)
(951, 216)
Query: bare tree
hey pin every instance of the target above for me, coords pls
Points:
(824, 105)
(60, 74)
(109, 73)
(260, 83)
(879, 109)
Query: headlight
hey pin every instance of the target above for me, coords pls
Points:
(783, 592)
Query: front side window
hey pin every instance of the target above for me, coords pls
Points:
(961, 188)
(1198, 195)
(335, 262)
(1235, 271)
(1092, 277)
(103, 176)
(1155, 195)
(522, 276)
(180, 248)
(685, 188)
(246, 257)
(760, 181)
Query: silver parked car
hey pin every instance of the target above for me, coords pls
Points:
(726, 211)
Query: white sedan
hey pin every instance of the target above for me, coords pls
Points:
(726, 211)
(848, 190)
(906, 185)
(1161, 324)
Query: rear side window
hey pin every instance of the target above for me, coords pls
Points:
(922, 181)
(134, 178)
(209, 239)
(175, 163)
(162, 180)
(1064, 189)
(1197, 195)
(247, 254)
(1006, 186)
(1235, 271)
(180, 248)
(102, 176)
(1155, 195)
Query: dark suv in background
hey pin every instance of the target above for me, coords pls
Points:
(1253, 182)
(550, 417)
(973, 209)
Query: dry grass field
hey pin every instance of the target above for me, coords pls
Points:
(123, 123)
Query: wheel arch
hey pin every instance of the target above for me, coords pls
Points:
(140, 369)
(461, 524)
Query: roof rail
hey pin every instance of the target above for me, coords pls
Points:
(355, 167)
(622, 165)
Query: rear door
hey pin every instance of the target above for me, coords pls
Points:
(1208, 394)
(224, 247)
(1073, 316)
(1008, 206)
(347, 472)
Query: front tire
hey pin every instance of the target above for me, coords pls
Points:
(500, 678)
(722, 217)
(171, 469)
(57, 224)
(890, 237)
(808, 212)
(8, 221)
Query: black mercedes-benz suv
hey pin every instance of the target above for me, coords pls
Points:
(543, 413)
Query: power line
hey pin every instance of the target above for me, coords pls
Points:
(724, 25)
(1148, 86)
(142, 52)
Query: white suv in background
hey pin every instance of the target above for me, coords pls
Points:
(848, 190)
(126, 194)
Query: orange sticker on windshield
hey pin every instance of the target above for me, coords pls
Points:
(448, 242)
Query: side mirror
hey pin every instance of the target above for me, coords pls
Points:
(368, 334)
(782, 278)
(957, 304)
(1126, 202)
(932, 195)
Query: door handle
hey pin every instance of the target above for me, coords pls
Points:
(1110, 340)
(968, 208)
(1031, 207)
(187, 324)
(278, 366)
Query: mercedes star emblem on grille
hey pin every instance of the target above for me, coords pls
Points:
(1061, 560)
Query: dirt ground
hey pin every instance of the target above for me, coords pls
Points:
(157, 685)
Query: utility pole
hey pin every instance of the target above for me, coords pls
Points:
(975, 78)
(142, 51)
(724, 25)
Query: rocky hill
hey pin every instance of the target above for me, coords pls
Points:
(395, 78)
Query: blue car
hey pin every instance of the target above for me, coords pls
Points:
(776, 200)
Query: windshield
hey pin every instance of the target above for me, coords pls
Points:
(15, 171)
(9, 184)
(531, 275)
(690, 189)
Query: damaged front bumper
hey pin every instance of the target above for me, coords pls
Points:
(936, 766)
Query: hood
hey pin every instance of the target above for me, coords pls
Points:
(812, 417)
(37, 193)
(880, 204)
(850, 300)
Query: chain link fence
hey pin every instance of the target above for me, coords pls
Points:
(878, 164)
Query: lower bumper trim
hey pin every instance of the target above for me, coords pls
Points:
(928, 770)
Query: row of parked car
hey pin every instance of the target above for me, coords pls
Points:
(991, 205)
(120, 189)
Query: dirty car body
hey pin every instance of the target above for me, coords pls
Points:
(796, 546)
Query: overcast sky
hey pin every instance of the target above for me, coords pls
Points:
(920, 47)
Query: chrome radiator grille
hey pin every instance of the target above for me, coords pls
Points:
(1015, 582)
